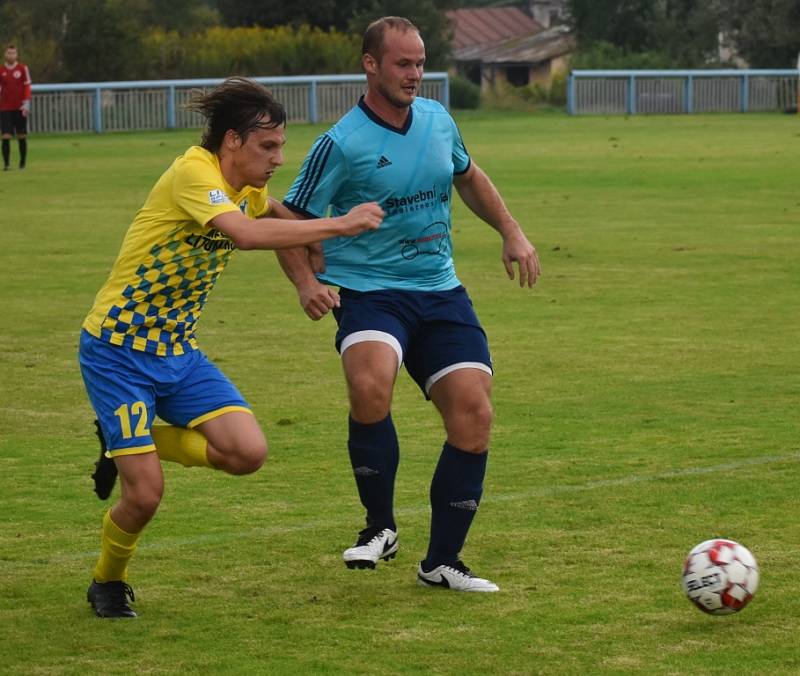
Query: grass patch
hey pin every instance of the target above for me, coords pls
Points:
(646, 399)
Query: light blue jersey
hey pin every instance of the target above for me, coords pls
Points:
(409, 172)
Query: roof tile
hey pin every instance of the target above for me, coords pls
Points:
(472, 27)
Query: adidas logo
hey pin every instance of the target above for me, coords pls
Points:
(365, 471)
(383, 162)
(470, 505)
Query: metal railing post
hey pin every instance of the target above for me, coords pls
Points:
(689, 94)
(171, 107)
(98, 111)
(313, 113)
(745, 93)
(631, 103)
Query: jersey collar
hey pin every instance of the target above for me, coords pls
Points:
(372, 115)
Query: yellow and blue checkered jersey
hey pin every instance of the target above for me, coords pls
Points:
(171, 258)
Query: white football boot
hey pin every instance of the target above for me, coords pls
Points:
(455, 576)
(373, 545)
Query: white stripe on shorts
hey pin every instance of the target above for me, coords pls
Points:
(441, 373)
(377, 336)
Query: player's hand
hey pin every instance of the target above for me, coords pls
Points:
(317, 299)
(367, 216)
(517, 249)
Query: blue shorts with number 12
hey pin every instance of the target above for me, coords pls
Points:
(129, 388)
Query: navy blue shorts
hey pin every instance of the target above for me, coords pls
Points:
(432, 332)
(128, 388)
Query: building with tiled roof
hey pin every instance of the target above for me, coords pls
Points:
(506, 44)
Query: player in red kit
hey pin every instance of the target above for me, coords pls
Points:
(15, 103)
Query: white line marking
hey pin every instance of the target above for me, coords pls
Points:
(629, 480)
(170, 543)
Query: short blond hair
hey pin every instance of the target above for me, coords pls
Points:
(372, 43)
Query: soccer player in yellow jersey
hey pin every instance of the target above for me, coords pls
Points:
(138, 354)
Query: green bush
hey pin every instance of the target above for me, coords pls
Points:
(605, 56)
(558, 90)
(555, 94)
(530, 98)
(464, 95)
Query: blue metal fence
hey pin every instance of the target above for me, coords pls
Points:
(159, 104)
(631, 92)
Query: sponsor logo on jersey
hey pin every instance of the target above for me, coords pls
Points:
(214, 240)
(422, 196)
(383, 161)
(432, 241)
(422, 199)
(217, 197)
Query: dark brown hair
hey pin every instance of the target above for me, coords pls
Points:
(373, 36)
(238, 104)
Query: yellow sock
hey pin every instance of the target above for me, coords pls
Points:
(116, 549)
(182, 445)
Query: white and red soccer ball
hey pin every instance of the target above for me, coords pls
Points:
(720, 576)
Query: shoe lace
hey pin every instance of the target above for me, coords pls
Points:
(368, 535)
(119, 591)
(461, 568)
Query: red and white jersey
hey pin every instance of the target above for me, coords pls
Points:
(15, 86)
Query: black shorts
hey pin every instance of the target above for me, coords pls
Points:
(13, 122)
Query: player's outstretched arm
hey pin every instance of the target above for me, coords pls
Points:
(314, 250)
(277, 233)
(300, 265)
(483, 199)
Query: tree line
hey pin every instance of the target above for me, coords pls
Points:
(97, 40)
(685, 33)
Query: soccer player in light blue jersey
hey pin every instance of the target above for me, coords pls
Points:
(399, 300)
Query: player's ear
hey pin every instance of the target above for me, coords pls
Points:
(369, 63)
(232, 140)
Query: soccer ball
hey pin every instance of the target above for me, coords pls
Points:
(720, 576)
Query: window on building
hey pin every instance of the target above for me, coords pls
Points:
(518, 76)
(472, 72)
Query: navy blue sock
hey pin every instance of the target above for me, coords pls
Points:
(23, 151)
(6, 151)
(374, 455)
(456, 492)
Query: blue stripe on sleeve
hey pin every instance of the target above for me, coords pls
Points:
(313, 173)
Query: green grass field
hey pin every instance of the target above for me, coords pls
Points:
(646, 395)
